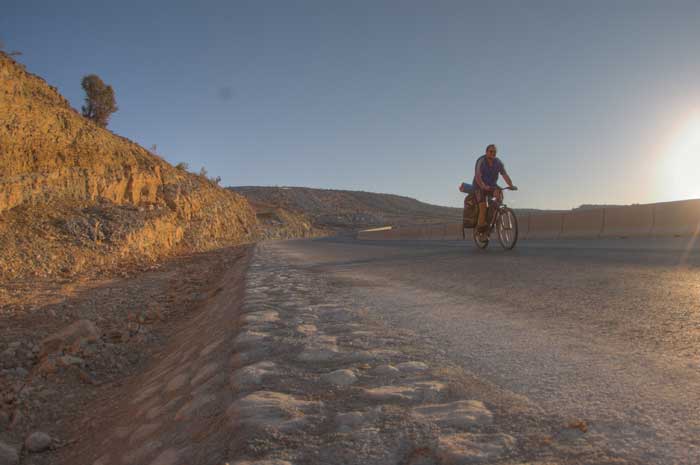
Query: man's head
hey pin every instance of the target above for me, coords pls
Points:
(491, 151)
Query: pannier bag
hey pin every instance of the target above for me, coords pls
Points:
(470, 216)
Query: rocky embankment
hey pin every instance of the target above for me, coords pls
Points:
(278, 223)
(74, 196)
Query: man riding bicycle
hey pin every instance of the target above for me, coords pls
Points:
(488, 168)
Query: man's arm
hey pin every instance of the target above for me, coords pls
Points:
(477, 176)
(505, 176)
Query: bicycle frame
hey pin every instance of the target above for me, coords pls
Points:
(498, 206)
(496, 211)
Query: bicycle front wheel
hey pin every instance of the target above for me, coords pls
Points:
(480, 239)
(507, 229)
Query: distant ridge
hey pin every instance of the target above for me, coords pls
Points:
(349, 210)
(338, 209)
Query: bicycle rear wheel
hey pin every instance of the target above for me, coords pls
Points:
(507, 229)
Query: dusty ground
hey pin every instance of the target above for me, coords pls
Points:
(135, 315)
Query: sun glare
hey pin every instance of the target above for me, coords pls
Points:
(682, 162)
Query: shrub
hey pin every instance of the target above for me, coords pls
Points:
(182, 166)
(99, 100)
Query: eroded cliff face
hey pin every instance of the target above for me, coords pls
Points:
(74, 195)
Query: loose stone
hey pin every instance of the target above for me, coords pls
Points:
(412, 367)
(271, 409)
(462, 414)
(37, 442)
(343, 377)
(467, 448)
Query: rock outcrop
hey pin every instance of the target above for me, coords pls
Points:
(280, 223)
(74, 195)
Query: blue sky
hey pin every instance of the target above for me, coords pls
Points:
(588, 102)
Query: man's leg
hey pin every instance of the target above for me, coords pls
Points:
(481, 225)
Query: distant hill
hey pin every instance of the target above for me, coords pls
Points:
(341, 210)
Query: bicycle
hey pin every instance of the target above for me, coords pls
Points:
(502, 219)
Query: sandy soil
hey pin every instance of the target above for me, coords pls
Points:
(67, 394)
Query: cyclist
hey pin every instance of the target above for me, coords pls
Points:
(488, 168)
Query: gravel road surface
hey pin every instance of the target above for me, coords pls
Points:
(604, 331)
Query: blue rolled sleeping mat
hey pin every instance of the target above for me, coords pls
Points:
(466, 188)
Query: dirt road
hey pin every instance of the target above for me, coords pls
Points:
(301, 372)
(606, 331)
(339, 351)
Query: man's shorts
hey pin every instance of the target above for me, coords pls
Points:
(482, 195)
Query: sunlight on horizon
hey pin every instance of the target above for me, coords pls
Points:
(681, 161)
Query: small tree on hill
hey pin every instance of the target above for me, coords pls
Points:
(99, 100)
